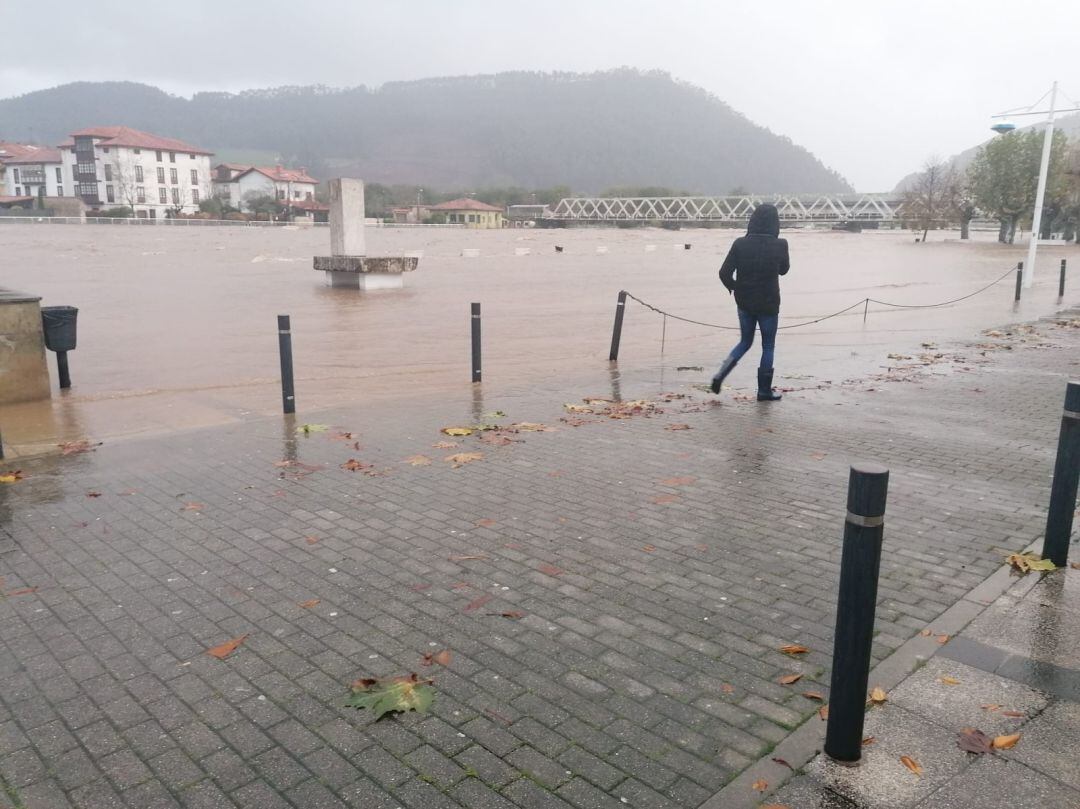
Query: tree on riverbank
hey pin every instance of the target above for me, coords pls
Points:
(1004, 176)
(927, 200)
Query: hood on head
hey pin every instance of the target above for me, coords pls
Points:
(765, 220)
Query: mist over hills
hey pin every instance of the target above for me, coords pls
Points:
(587, 131)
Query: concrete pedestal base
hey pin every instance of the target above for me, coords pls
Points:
(366, 273)
(24, 373)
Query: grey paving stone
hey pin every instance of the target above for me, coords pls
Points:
(995, 783)
(314, 795)
(259, 795)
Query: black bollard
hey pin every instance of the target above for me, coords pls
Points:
(863, 530)
(1059, 519)
(1061, 280)
(1019, 278)
(476, 367)
(288, 397)
(616, 333)
(62, 369)
(1, 447)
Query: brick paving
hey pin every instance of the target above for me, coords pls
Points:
(656, 571)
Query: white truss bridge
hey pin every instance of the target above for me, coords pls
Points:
(793, 208)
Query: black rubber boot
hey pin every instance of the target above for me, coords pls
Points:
(765, 393)
(725, 368)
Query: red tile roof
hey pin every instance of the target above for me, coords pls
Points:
(14, 200)
(305, 204)
(134, 138)
(11, 151)
(35, 154)
(280, 174)
(465, 205)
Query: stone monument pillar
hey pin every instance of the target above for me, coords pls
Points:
(24, 372)
(348, 264)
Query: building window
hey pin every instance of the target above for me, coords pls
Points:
(296, 195)
(108, 173)
(41, 192)
(161, 175)
(153, 214)
(138, 151)
(18, 191)
(158, 155)
(172, 157)
(173, 177)
(109, 195)
(163, 195)
(105, 149)
(195, 196)
(140, 194)
(138, 174)
(191, 156)
(87, 168)
(59, 175)
(15, 174)
(308, 195)
(59, 190)
(176, 196)
(86, 189)
(194, 177)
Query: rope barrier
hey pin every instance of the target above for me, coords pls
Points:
(863, 302)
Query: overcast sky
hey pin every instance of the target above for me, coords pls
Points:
(872, 88)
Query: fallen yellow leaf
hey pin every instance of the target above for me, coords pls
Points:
(1006, 742)
(760, 785)
(11, 477)
(456, 430)
(950, 681)
(878, 696)
(307, 605)
(793, 649)
(911, 764)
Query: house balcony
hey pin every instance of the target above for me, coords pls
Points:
(34, 176)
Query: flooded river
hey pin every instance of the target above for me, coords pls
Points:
(177, 325)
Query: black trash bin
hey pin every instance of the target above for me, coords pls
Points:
(58, 323)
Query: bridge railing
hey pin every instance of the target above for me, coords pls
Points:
(799, 208)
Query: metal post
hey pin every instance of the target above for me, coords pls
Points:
(866, 310)
(1059, 518)
(1019, 278)
(1040, 192)
(1, 447)
(288, 396)
(859, 565)
(616, 333)
(476, 366)
(62, 368)
(1061, 281)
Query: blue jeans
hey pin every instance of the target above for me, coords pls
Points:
(748, 324)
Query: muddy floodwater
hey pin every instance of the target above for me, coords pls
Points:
(177, 326)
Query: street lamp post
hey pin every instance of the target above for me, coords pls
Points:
(1040, 193)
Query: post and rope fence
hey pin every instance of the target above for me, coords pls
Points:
(1059, 517)
(1019, 279)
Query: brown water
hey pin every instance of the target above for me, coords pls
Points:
(177, 325)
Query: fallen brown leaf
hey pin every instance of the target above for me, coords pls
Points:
(1074, 565)
(975, 741)
(311, 540)
(93, 494)
(793, 649)
(74, 447)
(991, 706)
(942, 639)
(782, 763)
(223, 650)
(950, 681)
(878, 696)
(1006, 742)
(307, 605)
(665, 498)
(23, 591)
(467, 558)
(868, 741)
(444, 445)
(513, 614)
(1014, 714)
(911, 764)
(823, 712)
(443, 658)
(353, 465)
(819, 456)
(814, 695)
(531, 427)
(683, 481)
(193, 507)
(497, 439)
(461, 458)
(677, 427)
(648, 548)
(927, 633)
(550, 570)
(478, 602)
(788, 679)
(418, 460)
(760, 785)
(727, 688)
(484, 523)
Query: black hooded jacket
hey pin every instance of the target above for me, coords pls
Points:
(755, 263)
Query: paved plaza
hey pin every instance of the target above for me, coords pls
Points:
(613, 591)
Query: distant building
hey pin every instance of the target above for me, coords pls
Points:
(155, 176)
(407, 215)
(27, 170)
(470, 212)
(238, 184)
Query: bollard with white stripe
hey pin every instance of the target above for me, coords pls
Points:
(860, 564)
(475, 319)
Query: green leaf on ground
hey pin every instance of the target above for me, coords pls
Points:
(402, 694)
(308, 429)
(1024, 562)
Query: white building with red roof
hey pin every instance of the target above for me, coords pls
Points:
(238, 184)
(157, 177)
(28, 170)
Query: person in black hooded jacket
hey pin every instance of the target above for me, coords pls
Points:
(752, 271)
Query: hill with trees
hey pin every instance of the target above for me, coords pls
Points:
(588, 132)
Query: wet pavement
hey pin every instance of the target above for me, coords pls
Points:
(177, 326)
(613, 592)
